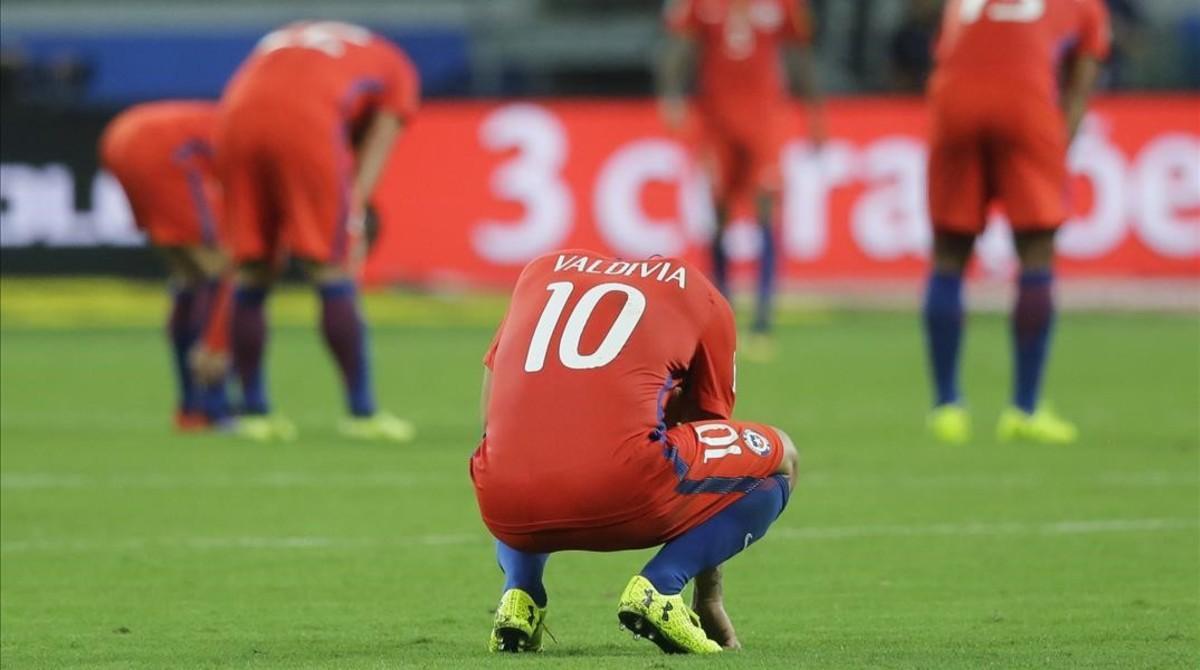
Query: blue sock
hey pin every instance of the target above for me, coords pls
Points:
(943, 316)
(720, 263)
(249, 341)
(766, 279)
(523, 571)
(182, 333)
(1032, 322)
(718, 539)
(346, 336)
(215, 402)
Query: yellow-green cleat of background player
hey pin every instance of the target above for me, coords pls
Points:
(379, 426)
(757, 348)
(265, 428)
(519, 623)
(1043, 426)
(664, 620)
(950, 424)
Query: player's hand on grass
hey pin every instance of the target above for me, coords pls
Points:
(708, 602)
(209, 366)
(716, 623)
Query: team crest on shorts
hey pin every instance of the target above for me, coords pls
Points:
(757, 442)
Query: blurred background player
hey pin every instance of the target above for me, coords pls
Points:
(307, 125)
(1000, 133)
(628, 446)
(741, 104)
(162, 154)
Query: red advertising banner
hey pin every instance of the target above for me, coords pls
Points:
(476, 190)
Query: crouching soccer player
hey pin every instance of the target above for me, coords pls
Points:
(161, 153)
(608, 396)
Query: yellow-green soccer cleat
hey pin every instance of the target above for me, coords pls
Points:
(265, 428)
(519, 623)
(950, 424)
(664, 620)
(379, 426)
(1043, 426)
(757, 348)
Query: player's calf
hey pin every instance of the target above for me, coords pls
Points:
(716, 540)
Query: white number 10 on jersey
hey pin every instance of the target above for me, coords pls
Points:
(568, 347)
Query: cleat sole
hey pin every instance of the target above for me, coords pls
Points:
(642, 627)
(512, 640)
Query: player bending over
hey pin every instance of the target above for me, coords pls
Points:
(608, 399)
(162, 155)
(307, 125)
(1000, 133)
(741, 103)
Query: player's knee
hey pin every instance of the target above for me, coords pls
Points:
(789, 465)
(211, 262)
(721, 213)
(255, 273)
(1035, 249)
(765, 203)
(326, 273)
(951, 251)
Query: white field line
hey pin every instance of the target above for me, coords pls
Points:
(36, 481)
(300, 543)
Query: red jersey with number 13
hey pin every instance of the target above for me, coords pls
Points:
(1019, 42)
(581, 368)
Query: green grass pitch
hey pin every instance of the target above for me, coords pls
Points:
(126, 546)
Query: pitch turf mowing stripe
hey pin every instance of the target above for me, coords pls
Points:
(70, 304)
(73, 304)
(972, 529)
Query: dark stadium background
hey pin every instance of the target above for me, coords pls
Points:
(67, 66)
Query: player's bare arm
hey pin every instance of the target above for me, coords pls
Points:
(683, 407)
(799, 60)
(373, 151)
(674, 68)
(708, 598)
(1081, 79)
(209, 358)
(371, 157)
(485, 394)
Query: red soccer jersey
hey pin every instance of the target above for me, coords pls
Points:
(162, 153)
(582, 367)
(1019, 41)
(740, 68)
(314, 70)
(163, 127)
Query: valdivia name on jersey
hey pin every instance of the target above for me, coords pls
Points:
(658, 269)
